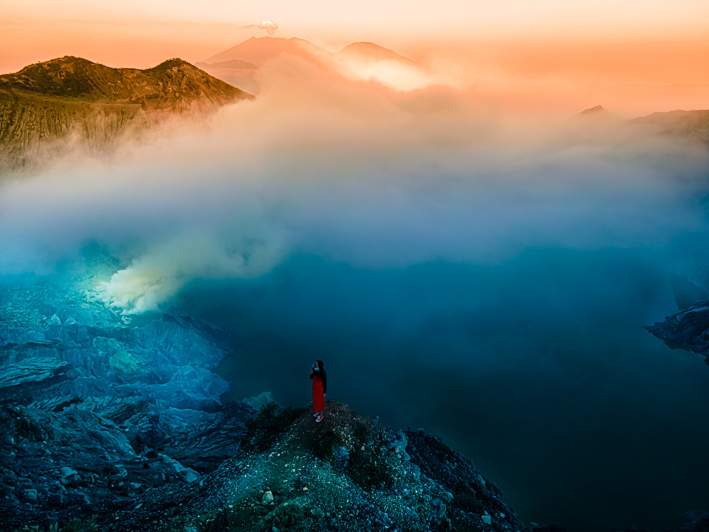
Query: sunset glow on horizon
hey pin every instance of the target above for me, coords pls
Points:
(581, 53)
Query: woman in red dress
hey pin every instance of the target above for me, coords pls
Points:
(319, 383)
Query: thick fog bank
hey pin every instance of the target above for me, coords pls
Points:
(484, 281)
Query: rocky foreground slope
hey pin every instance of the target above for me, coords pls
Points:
(73, 97)
(109, 422)
(347, 473)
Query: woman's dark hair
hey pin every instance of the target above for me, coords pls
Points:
(323, 374)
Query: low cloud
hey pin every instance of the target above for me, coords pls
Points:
(350, 171)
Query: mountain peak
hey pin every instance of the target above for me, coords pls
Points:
(374, 51)
(259, 50)
(174, 62)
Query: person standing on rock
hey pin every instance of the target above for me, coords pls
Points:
(318, 379)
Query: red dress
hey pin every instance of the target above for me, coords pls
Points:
(318, 393)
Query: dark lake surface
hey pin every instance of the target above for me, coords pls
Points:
(537, 367)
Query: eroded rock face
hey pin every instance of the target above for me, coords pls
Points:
(475, 500)
(687, 329)
(95, 408)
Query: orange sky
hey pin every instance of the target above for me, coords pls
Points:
(451, 18)
(638, 54)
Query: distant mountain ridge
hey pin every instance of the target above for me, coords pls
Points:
(373, 51)
(49, 101)
(686, 125)
(258, 50)
(680, 123)
(241, 64)
(174, 83)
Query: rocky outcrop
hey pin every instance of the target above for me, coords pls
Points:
(476, 503)
(687, 329)
(346, 473)
(27, 374)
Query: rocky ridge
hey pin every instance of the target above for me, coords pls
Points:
(687, 329)
(347, 473)
(71, 98)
